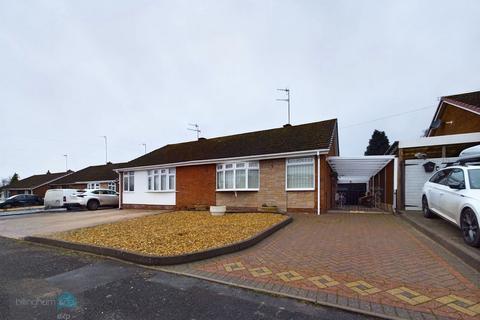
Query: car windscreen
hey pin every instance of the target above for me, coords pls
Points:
(474, 177)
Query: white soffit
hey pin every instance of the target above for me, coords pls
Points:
(440, 140)
(358, 169)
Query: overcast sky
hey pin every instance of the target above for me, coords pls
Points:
(140, 71)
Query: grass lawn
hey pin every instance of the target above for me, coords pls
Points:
(174, 233)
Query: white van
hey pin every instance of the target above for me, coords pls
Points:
(60, 198)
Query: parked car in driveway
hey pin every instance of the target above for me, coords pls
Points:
(453, 193)
(91, 199)
(94, 198)
(61, 198)
(21, 200)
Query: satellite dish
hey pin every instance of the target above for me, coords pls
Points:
(436, 124)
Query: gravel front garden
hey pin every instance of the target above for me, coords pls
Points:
(174, 233)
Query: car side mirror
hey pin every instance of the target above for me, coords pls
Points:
(456, 186)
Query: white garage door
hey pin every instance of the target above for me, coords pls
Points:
(415, 178)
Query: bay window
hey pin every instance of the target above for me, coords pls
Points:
(300, 173)
(161, 180)
(129, 181)
(238, 176)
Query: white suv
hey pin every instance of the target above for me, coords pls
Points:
(453, 193)
(94, 198)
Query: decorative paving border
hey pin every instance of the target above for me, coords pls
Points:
(161, 260)
(330, 299)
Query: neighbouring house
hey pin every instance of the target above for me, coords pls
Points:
(456, 114)
(454, 128)
(283, 167)
(36, 184)
(93, 177)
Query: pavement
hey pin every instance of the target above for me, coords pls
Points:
(39, 282)
(372, 263)
(20, 226)
(446, 234)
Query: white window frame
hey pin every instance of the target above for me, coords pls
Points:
(246, 165)
(166, 174)
(307, 160)
(93, 185)
(129, 176)
(112, 186)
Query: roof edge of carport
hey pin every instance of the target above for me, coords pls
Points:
(360, 168)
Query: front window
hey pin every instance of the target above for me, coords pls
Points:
(93, 185)
(238, 176)
(300, 174)
(112, 186)
(474, 177)
(161, 180)
(129, 181)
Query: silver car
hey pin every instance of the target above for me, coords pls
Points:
(92, 199)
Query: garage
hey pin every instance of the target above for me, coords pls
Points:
(419, 159)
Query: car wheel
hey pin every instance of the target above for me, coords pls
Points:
(469, 226)
(92, 205)
(427, 213)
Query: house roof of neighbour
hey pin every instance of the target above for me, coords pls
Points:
(304, 137)
(37, 180)
(469, 101)
(103, 172)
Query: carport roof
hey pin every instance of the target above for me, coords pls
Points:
(358, 169)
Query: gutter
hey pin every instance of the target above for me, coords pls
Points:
(213, 161)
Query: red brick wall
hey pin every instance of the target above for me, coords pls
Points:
(147, 207)
(195, 186)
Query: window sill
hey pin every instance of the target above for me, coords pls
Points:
(301, 189)
(161, 191)
(235, 190)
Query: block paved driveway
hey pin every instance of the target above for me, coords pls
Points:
(371, 262)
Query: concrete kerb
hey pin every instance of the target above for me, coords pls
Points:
(451, 246)
(161, 260)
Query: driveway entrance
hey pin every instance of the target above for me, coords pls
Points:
(370, 262)
(43, 223)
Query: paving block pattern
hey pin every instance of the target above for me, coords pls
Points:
(374, 263)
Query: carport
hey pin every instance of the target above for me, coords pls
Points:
(357, 176)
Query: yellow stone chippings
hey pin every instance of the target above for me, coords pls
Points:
(174, 233)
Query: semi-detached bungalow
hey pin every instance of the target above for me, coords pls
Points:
(92, 177)
(283, 167)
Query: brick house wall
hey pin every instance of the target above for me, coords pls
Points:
(272, 190)
(463, 121)
(195, 186)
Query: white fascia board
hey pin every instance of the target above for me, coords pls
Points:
(363, 158)
(245, 158)
(440, 140)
